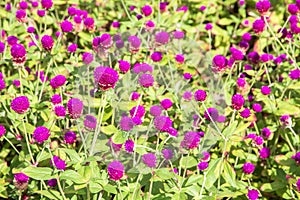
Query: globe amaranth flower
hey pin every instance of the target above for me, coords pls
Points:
(264, 153)
(206, 156)
(200, 95)
(41, 13)
(41, 134)
(89, 23)
(257, 107)
(21, 16)
(172, 131)
(47, 42)
(116, 147)
(191, 140)
(72, 48)
(126, 123)
(146, 80)
(90, 122)
(71, 11)
(20, 104)
(60, 111)
(179, 58)
(208, 26)
(135, 96)
(129, 145)
(265, 90)
(236, 54)
(241, 82)
(11, 40)
(124, 66)
(150, 25)
(56, 99)
(21, 177)
(18, 54)
(137, 111)
(286, 120)
(30, 29)
(120, 44)
(219, 63)
(237, 101)
(147, 10)
(259, 140)
(294, 74)
(296, 157)
(178, 34)
(166, 104)
(155, 110)
(211, 114)
(2, 131)
(156, 56)
(202, 166)
(8, 7)
(298, 184)
(162, 123)
(105, 77)
(167, 154)
(23, 5)
(2, 47)
(187, 95)
(66, 26)
(2, 84)
(59, 163)
(266, 132)
(142, 67)
(263, 6)
(253, 194)
(248, 168)
(52, 182)
(258, 26)
(187, 76)
(75, 108)
(162, 38)
(115, 170)
(70, 137)
(87, 58)
(47, 4)
(134, 44)
(149, 159)
(58, 81)
(115, 24)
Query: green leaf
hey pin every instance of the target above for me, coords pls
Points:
(51, 194)
(29, 128)
(224, 21)
(110, 188)
(38, 173)
(73, 176)
(229, 174)
(164, 173)
(72, 154)
(95, 187)
(119, 137)
(188, 162)
(230, 129)
(270, 187)
(110, 129)
(213, 172)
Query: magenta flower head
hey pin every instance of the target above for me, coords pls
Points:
(2, 130)
(155, 110)
(2, 84)
(56, 99)
(253, 194)
(8, 7)
(149, 159)
(70, 137)
(23, 5)
(58, 162)
(296, 157)
(129, 145)
(237, 101)
(263, 6)
(105, 41)
(219, 63)
(72, 11)
(187, 95)
(126, 123)
(41, 13)
(200, 95)
(264, 153)
(258, 26)
(105, 77)
(60, 111)
(191, 140)
(72, 48)
(162, 123)
(115, 170)
(202, 166)
(150, 25)
(75, 108)
(146, 80)
(248, 168)
(124, 66)
(20, 104)
(47, 42)
(58, 81)
(47, 4)
(294, 74)
(178, 34)
(293, 9)
(245, 113)
(21, 181)
(156, 56)
(187, 76)
(90, 122)
(52, 182)
(211, 114)
(162, 38)
(89, 23)
(2, 47)
(66, 26)
(179, 58)
(137, 111)
(167, 154)
(286, 120)
(147, 10)
(21, 16)
(41, 134)
(135, 44)
(298, 184)
(266, 132)
(30, 29)
(265, 90)
(208, 26)
(166, 104)
(135, 96)
(115, 24)
(18, 54)
(87, 58)
(236, 54)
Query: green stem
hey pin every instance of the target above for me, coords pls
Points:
(151, 185)
(44, 81)
(20, 77)
(203, 184)
(27, 142)
(60, 188)
(16, 150)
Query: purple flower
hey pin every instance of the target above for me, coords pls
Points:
(162, 38)
(263, 6)
(149, 159)
(236, 54)
(258, 26)
(66, 26)
(191, 140)
(72, 48)
(2, 47)
(87, 58)
(129, 145)
(155, 110)
(286, 120)
(57, 81)
(115, 170)
(166, 104)
(47, 42)
(70, 137)
(162, 123)
(60, 111)
(135, 44)
(156, 56)
(167, 154)
(52, 182)
(200, 95)
(116, 147)
(245, 113)
(75, 108)
(105, 77)
(187, 95)
(150, 25)
(248, 168)
(253, 194)
(298, 184)
(202, 8)
(146, 80)
(187, 76)
(89, 23)
(56, 99)
(18, 53)
(266, 132)
(296, 157)
(135, 96)
(219, 63)
(241, 82)
(178, 34)
(265, 90)
(120, 44)
(206, 156)
(259, 140)
(90, 122)
(147, 10)
(30, 29)
(202, 166)
(41, 13)
(47, 4)
(21, 16)
(179, 58)
(41, 134)
(264, 153)
(137, 111)
(23, 5)
(237, 101)
(294, 74)
(8, 7)
(211, 114)
(126, 123)
(257, 107)
(2, 84)
(58, 162)
(72, 11)
(172, 131)
(21, 177)
(20, 104)
(124, 66)
(2, 131)
(208, 26)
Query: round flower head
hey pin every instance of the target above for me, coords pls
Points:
(162, 123)
(52, 182)
(60, 111)
(264, 153)
(219, 63)
(245, 113)
(237, 101)
(263, 6)
(135, 44)
(66, 26)
(2, 131)
(155, 111)
(179, 58)
(296, 157)
(259, 140)
(293, 9)
(58, 162)
(20, 104)
(236, 54)
(105, 77)
(23, 5)
(120, 44)
(77, 19)
(129, 145)
(156, 56)
(298, 184)
(265, 90)
(241, 82)
(178, 34)
(253, 194)
(126, 123)
(75, 108)
(147, 10)
(167, 154)
(8, 7)
(187, 76)
(89, 23)
(87, 58)
(149, 159)
(162, 38)
(115, 170)
(253, 57)
(21, 177)
(2, 84)
(257, 107)
(202, 166)
(137, 111)
(57, 81)
(286, 120)
(47, 4)
(47, 42)
(72, 11)
(2, 47)
(124, 66)
(208, 26)
(41, 13)
(56, 99)
(248, 168)
(200, 95)
(116, 147)
(187, 95)
(266, 132)
(150, 25)
(41, 134)
(166, 104)
(191, 140)
(115, 24)
(146, 80)
(206, 156)
(258, 26)
(30, 29)
(72, 48)
(21, 16)
(18, 54)
(294, 74)
(211, 114)
(70, 137)
(90, 122)
(135, 96)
